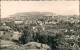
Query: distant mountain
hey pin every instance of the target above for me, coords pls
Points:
(26, 15)
(34, 16)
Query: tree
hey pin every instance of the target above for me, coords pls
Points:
(26, 36)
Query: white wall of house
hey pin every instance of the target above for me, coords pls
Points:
(18, 22)
(1, 33)
(16, 35)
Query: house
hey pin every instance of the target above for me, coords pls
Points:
(67, 37)
(50, 22)
(1, 33)
(4, 23)
(34, 28)
(48, 16)
(46, 22)
(72, 18)
(18, 21)
(53, 22)
(66, 30)
(72, 37)
(43, 28)
(16, 35)
(72, 30)
(40, 22)
(77, 20)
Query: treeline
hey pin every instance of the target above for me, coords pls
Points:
(55, 40)
(52, 39)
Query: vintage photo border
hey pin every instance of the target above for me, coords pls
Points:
(0, 23)
(34, 0)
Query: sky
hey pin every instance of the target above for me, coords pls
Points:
(58, 7)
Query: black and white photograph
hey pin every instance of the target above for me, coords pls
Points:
(40, 25)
